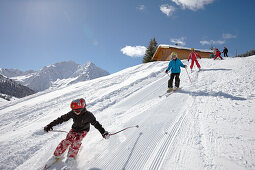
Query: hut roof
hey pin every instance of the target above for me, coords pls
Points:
(184, 48)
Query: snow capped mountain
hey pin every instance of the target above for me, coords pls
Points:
(9, 88)
(88, 72)
(14, 72)
(55, 75)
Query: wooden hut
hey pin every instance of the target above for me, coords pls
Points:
(163, 53)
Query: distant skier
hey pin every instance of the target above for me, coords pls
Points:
(81, 125)
(193, 56)
(217, 54)
(225, 52)
(174, 65)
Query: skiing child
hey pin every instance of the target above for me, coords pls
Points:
(225, 52)
(174, 65)
(193, 56)
(81, 125)
(217, 54)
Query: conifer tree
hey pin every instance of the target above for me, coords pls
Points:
(150, 51)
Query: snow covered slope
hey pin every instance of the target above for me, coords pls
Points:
(208, 124)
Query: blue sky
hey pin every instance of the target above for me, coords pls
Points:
(114, 34)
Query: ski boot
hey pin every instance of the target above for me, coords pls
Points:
(169, 90)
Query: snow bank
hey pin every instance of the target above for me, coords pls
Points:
(208, 124)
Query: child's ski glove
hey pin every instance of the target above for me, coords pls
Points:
(47, 128)
(106, 135)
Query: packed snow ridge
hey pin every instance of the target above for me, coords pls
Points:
(207, 124)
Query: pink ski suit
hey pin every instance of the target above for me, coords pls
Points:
(193, 56)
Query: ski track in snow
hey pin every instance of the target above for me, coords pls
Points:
(208, 124)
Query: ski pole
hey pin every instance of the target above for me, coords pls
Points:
(58, 131)
(188, 75)
(110, 134)
(123, 130)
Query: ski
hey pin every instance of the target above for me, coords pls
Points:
(65, 168)
(171, 92)
(163, 94)
(168, 94)
(47, 166)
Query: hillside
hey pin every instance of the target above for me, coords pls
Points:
(10, 88)
(207, 124)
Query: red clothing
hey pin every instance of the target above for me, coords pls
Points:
(192, 63)
(217, 54)
(193, 56)
(74, 140)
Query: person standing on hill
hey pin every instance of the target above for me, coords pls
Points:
(174, 65)
(82, 119)
(217, 54)
(193, 56)
(225, 52)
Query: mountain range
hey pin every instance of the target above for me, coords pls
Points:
(52, 76)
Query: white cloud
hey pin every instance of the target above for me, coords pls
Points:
(193, 4)
(167, 9)
(140, 7)
(179, 41)
(213, 42)
(228, 36)
(136, 51)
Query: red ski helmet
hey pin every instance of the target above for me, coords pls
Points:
(78, 104)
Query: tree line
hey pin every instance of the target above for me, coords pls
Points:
(248, 53)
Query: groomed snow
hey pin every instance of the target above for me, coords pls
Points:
(208, 124)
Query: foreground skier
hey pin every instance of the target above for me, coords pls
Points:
(174, 66)
(81, 125)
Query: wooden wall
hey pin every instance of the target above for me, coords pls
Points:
(162, 54)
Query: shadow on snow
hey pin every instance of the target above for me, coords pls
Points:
(216, 69)
(213, 94)
(124, 167)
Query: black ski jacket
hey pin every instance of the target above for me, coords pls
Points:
(225, 50)
(81, 122)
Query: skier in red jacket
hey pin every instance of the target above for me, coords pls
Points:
(217, 54)
(193, 56)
